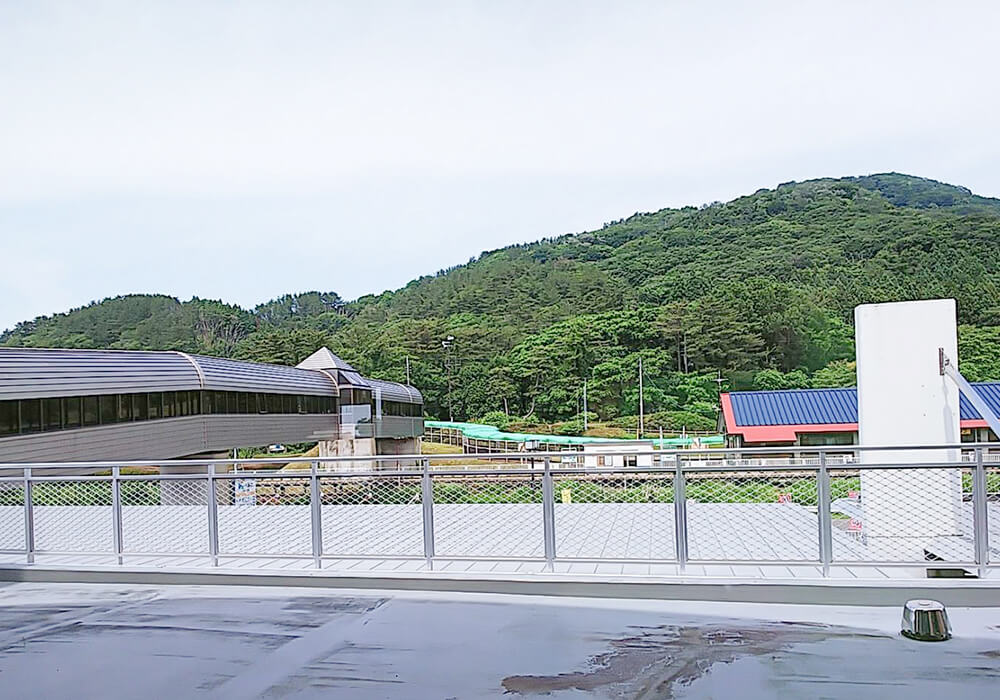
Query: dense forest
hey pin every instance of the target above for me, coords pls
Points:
(753, 293)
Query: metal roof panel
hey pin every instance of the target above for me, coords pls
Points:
(827, 406)
(46, 372)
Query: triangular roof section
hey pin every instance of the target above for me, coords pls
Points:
(324, 359)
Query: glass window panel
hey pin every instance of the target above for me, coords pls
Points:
(109, 409)
(91, 411)
(168, 404)
(140, 407)
(262, 406)
(51, 414)
(31, 415)
(124, 408)
(195, 397)
(155, 405)
(183, 403)
(243, 406)
(273, 403)
(9, 422)
(72, 418)
(288, 403)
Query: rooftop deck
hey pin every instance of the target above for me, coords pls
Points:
(691, 517)
(71, 640)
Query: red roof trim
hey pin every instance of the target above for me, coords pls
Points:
(790, 433)
(727, 412)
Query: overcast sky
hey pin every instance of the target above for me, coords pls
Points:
(242, 150)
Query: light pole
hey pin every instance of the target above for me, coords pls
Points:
(642, 427)
(447, 344)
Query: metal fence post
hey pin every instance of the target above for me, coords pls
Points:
(213, 517)
(825, 516)
(427, 501)
(29, 519)
(980, 514)
(316, 514)
(116, 511)
(680, 515)
(548, 516)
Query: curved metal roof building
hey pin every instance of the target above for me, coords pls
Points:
(38, 373)
(78, 405)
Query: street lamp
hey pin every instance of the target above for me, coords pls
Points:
(447, 344)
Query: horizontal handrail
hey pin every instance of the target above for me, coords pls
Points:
(688, 454)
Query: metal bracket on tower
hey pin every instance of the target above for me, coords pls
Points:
(948, 369)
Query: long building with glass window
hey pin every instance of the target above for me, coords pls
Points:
(100, 405)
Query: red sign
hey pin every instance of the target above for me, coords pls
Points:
(854, 525)
(784, 498)
(856, 495)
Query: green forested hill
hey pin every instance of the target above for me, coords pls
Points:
(758, 291)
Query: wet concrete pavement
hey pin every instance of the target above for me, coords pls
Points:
(110, 641)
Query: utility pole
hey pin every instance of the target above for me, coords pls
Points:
(407, 369)
(446, 344)
(584, 404)
(642, 422)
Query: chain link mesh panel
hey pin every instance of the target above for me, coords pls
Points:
(993, 510)
(752, 516)
(264, 516)
(615, 516)
(73, 516)
(372, 516)
(488, 516)
(12, 515)
(164, 516)
(903, 515)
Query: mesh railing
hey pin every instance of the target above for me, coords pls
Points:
(807, 511)
(72, 515)
(371, 516)
(991, 477)
(615, 516)
(12, 515)
(164, 516)
(760, 516)
(266, 516)
(496, 516)
(905, 516)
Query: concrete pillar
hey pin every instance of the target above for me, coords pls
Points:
(348, 446)
(904, 400)
(398, 446)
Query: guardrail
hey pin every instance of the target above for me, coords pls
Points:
(813, 507)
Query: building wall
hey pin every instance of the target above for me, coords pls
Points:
(166, 438)
(617, 455)
(398, 427)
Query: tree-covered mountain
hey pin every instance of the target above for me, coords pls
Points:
(756, 292)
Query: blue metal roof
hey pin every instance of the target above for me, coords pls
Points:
(824, 406)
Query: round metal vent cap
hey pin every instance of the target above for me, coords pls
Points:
(926, 621)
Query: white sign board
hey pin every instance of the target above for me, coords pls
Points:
(245, 492)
